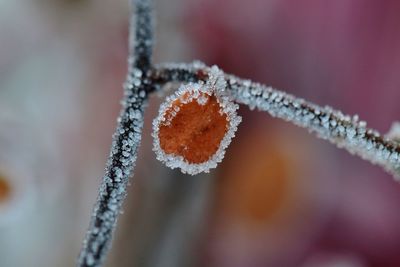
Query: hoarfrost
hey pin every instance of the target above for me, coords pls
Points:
(394, 132)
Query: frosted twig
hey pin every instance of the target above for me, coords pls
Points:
(343, 130)
(141, 36)
(125, 143)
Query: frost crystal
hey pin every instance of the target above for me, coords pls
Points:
(394, 132)
(191, 138)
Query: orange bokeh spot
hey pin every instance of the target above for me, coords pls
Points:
(5, 189)
(196, 131)
(256, 182)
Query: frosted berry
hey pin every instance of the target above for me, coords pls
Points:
(195, 125)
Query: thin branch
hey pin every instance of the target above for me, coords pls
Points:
(125, 143)
(343, 130)
(141, 35)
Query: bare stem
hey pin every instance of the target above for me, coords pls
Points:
(343, 130)
(126, 141)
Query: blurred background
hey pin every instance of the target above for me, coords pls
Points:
(281, 197)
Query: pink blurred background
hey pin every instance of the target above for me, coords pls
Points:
(281, 197)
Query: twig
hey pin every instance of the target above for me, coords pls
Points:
(125, 143)
(343, 130)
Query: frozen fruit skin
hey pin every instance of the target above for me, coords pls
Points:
(196, 131)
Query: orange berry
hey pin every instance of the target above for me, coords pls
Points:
(195, 125)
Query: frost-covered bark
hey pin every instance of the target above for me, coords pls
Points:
(125, 143)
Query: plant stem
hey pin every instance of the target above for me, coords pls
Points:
(343, 130)
(126, 140)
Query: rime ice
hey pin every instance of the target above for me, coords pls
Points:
(195, 125)
(394, 132)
